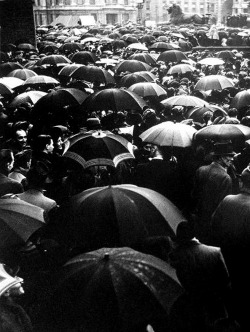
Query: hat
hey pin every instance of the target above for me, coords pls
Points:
(223, 149)
(93, 123)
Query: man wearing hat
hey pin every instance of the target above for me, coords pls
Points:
(231, 231)
(212, 184)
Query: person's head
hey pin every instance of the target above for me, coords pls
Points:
(21, 137)
(43, 143)
(38, 174)
(232, 112)
(23, 159)
(245, 178)
(223, 153)
(6, 161)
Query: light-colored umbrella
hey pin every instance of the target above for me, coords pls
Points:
(180, 69)
(214, 82)
(184, 100)
(146, 89)
(211, 61)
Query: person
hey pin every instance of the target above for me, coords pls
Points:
(21, 166)
(42, 149)
(8, 185)
(211, 184)
(231, 231)
(242, 159)
(13, 317)
(202, 271)
(161, 174)
(36, 178)
(18, 141)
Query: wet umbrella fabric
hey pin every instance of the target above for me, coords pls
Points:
(241, 99)
(52, 60)
(11, 82)
(116, 216)
(7, 67)
(214, 82)
(169, 134)
(144, 57)
(98, 148)
(84, 57)
(180, 69)
(184, 100)
(93, 74)
(18, 221)
(98, 285)
(132, 66)
(30, 96)
(146, 89)
(114, 99)
(197, 113)
(23, 74)
(140, 76)
(40, 79)
(172, 55)
(237, 133)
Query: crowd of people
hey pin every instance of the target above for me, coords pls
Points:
(208, 181)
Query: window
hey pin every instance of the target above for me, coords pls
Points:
(126, 2)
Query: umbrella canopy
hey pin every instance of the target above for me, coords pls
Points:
(114, 99)
(180, 69)
(93, 74)
(69, 69)
(184, 100)
(197, 113)
(98, 285)
(26, 47)
(84, 57)
(225, 55)
(11, 82)
(53, 60)
(70, 47)
(18, 221)
(137, 46)
(211, 61)
(7, 67)
(237, 133)
(30, 96)
(98, 148)
(169, 134)
(144, 57)
(172, 56)
(55, 100)
(146, 89)
(241, 99)
(132, 66)
(140, 76)
(213, 82)
(40, 79)
(116, 216)
(5, 89)
(163, 46)
(129, 38)
(23, 74)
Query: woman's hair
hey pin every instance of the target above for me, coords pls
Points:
(40, 142)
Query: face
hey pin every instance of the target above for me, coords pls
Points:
(227, 160)
(59, 143)
(50, 146)
(21, 137)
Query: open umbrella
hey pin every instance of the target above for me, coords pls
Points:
(241, 99)
(93, 74)
(11, 82)
(7, 67)
(211, 61)
(144, 57)
(69, 69)
(30, 96)
(98, 148)
(146, 89)
(84, 57)
(115, 216)
(237, 133)
(213, 82)
(140, 76)
(53, 60)
(26, 47)
(197, 113)
(181, 69)
(172, 56)
(18, 221)
(163, 46)
(137, 46)
(128, 38)
(54, 101)
(114, 99)
(225, 55)
(23, 74)
(40, 80)
(130, 287)
(170, 134)
(132, 66)
(70, 47)
(184, 100)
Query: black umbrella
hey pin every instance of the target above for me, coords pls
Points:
(7, 67)
(84, 57)
(132, 66)
(172, 56)
(112, 290)
(143, 57)
(140, 76)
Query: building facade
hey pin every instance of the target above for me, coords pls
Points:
(104, 11)
(240, 7)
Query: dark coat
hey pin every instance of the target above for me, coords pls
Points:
(9, 186)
